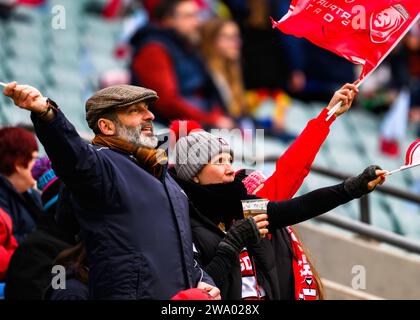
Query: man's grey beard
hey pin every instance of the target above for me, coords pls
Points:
(135, 136)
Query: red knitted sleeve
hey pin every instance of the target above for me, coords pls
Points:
(294, 165)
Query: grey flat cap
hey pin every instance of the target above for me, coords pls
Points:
(114, 97)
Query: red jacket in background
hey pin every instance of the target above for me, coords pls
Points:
(294, 165)
(153, 64)
(8, 243)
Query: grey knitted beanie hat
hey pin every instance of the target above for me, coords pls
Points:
(196, 150)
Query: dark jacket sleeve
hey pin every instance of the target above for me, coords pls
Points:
(74, 161)
(310, 205)
(220, 266)
(5, 203)
(75, 290)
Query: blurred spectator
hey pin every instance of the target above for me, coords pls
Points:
(313, 73)
(318, 72)
(165, 59)
(8, 243)
(141, 10)
(413, 46)
(208, 8)
(112, 9)
(394, 125)
(264, 62)
(77, 275)
(386, 90)
(150, 5)
(403, 90)
(18, 149)
(134, 21)
(273, 60)
(264, 66)
(221, 49)
(6, 8)
(31, 265)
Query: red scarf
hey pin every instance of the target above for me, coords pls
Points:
(305, 285)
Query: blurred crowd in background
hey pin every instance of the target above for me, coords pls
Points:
(222, 64)
(217, 62)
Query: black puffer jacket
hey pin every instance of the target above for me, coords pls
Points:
(207, 236)
(272, 258)
(25, 209)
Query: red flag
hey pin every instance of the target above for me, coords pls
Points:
(362, 31)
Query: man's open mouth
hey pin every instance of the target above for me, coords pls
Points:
(147, 129)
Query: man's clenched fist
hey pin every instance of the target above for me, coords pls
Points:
(26, 97)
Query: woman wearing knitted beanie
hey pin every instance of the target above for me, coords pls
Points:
(242, 263)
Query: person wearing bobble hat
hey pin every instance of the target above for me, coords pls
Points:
(232, 249)
(291, 169)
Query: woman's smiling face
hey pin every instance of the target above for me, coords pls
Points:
(219, 170)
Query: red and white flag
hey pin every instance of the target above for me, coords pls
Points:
(413, 154)
(362, 31)
(412, 158)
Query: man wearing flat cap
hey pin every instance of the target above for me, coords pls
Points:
(134, 218)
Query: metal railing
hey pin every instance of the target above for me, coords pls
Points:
(363, 226)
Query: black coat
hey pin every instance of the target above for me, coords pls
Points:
(272, 261)
(135, 228)
(273, 258)
(25, 209)
(29, 272)
(75, 289)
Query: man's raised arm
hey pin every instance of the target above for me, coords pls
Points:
(73, 160)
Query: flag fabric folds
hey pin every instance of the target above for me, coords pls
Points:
(362, 31)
